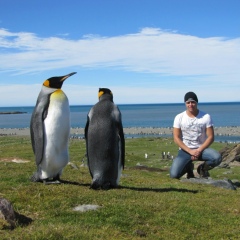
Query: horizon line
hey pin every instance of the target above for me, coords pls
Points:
(120, 104)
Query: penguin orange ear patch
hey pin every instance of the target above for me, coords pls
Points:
(46, 83)
(100, 94)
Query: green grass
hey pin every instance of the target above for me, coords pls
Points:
(148, 204)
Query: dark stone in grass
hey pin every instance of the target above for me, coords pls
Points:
(140, 233)
(236, 183)
(226, 183)
(7, 215)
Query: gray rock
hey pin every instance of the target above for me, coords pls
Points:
(224, 165)
(228, 172)
(85, 208)
(230, 154)
(225, 183)
(140, 233)
(7, 213)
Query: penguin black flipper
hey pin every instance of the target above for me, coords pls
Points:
(118, 118)
(36, 126)
(86, 138)
(121, 135)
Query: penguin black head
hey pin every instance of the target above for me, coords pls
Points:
(56, 82)
(106, 93)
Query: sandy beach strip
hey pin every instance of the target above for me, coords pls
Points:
(219, 131)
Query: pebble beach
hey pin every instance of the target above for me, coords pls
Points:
(219, 131)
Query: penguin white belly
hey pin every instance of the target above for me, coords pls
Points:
(56, 135)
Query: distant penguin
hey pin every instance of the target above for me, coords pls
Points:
(50, 129)
(105, 142)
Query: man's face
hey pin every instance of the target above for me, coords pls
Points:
(191, 106)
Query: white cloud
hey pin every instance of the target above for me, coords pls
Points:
(151, 50)
(172, 64)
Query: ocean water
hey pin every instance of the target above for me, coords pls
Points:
(134, 115)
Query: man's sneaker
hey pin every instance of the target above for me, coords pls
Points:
(203, 170)
(190, 174)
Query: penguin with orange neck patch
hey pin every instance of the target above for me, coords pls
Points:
(105, 142)
(50, 129)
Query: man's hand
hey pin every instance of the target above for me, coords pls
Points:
(195, 153)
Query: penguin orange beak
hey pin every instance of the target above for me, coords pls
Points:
(67, 76)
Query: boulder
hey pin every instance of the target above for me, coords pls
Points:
(229, 155)
(7, 215)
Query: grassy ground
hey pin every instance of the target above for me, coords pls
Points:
(147, 205)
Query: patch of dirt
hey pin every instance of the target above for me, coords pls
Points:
(15, 160)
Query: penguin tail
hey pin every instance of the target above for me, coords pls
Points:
(35, 177)
(106, 186)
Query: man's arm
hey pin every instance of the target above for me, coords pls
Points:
(209, 140)
(177, 137)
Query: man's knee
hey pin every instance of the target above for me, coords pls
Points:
(215, 158)
(218, 159)
(174, 174)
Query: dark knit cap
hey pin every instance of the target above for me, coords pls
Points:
(190, 96)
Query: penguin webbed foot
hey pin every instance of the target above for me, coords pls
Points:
(55, 180)
(105, 186)
(36, 178)
(47, 181)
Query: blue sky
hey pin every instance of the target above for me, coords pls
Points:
(145, 51)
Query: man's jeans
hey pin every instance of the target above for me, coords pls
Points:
(183, 163)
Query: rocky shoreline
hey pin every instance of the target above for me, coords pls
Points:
(12, 112)
(219, 131)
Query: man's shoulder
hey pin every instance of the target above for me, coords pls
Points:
(179, 119)
(180, 115)
(202, 114)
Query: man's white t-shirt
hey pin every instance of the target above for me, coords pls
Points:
(193, 129)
